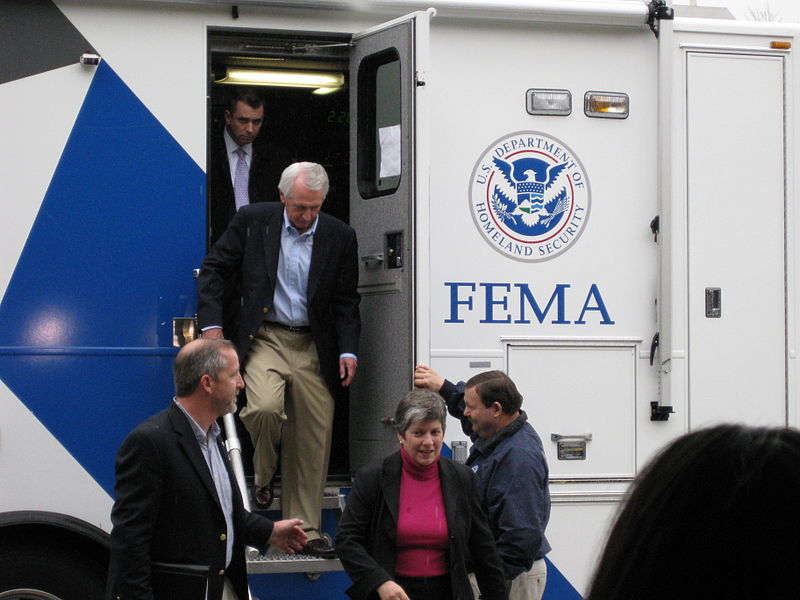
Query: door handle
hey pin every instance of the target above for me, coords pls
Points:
(372, 259)
(653, 347)
(713, 302)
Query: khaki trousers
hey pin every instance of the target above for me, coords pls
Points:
(525, 586)
(289, 411)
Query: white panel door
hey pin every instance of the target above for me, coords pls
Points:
(736, 239)
(581, 392)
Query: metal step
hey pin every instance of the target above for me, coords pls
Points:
(280, 562)
(332, 499)
(276, 561)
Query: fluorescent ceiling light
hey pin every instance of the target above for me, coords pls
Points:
(302, 79)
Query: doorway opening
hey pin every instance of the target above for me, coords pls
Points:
(300, 124)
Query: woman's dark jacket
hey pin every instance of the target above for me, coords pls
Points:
(367, 534)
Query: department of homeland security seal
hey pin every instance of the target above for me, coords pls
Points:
(529, 196)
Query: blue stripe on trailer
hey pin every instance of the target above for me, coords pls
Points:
(86, 337)
(558, 588)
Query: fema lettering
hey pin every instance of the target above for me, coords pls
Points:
(516, 303)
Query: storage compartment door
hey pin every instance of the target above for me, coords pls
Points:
(581, 399)
(736, 239)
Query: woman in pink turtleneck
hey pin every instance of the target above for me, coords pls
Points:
(413, 526)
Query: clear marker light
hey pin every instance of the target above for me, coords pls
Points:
(548, 102)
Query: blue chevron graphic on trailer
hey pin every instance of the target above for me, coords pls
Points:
(558, 588)
(86, 341)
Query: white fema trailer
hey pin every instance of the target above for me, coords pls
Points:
(596, 197)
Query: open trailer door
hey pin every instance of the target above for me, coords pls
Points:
(385, 76)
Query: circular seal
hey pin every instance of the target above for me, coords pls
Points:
(529, 196)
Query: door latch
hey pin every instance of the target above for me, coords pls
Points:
(571, 447)
(713, 302)
(394, 250)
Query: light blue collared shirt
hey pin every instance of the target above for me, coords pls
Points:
(216, 464)
(291, 301)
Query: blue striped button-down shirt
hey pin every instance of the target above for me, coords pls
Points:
(222, 482)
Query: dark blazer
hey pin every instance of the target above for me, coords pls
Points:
(367, 534)
(250, 248)
(169, 529)
(266, 165)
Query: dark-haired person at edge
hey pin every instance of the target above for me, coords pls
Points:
(245, 164)
(413, 527)
(714, 516)
(510, 470)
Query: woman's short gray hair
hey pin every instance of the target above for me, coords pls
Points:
(313, 175)
(419, 406)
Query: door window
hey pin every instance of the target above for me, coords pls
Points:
(379, 131)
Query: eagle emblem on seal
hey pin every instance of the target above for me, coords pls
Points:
(530, 197)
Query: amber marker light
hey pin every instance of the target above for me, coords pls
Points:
(606, 105)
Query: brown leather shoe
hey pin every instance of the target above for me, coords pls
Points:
(318, 548)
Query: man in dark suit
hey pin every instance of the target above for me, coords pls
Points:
(297, 333)
(239, 152)
(180, 528)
